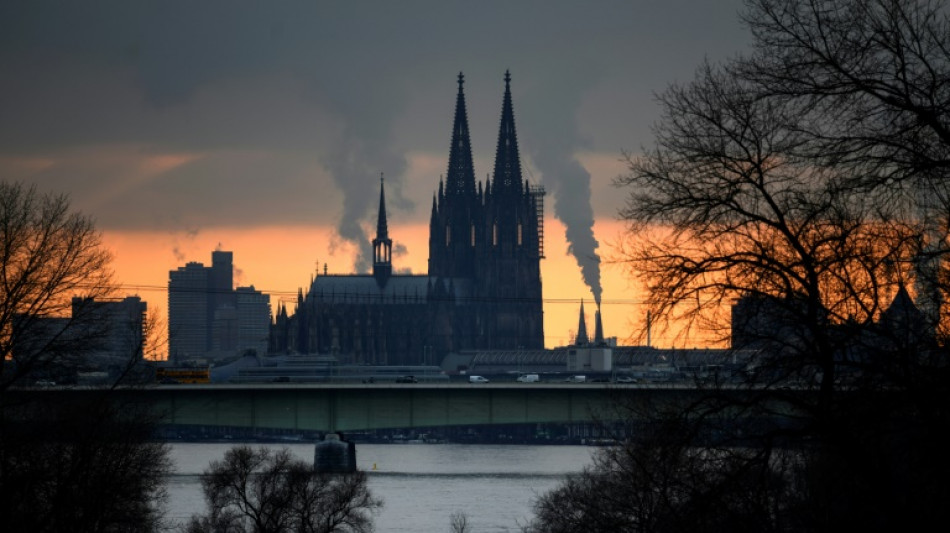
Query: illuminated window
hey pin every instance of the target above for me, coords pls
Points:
(519, 234)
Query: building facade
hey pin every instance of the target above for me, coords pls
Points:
(119, 326)
(252, 308)
(201, 301)
(483, 287)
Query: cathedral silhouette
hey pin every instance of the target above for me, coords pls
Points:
(483, 288)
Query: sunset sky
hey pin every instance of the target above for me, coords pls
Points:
(262, 128)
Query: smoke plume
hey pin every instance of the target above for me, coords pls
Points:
(363, 149)
(571, 184)
(553, 140)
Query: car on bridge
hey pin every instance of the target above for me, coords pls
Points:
(477, 379)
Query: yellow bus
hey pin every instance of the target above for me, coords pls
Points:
(183, 375)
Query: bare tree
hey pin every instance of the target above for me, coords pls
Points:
(871, 77)
(666, 478)
(723, 209)
(459, 522)
(871, 80)
(264, 491)
(807, 184)
(49, 254)
(79, 461)
(70, 460)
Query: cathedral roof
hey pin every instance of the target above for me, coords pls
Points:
(399, 289)
(507, 162)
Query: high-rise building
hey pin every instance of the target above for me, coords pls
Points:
(483, 288)
(253, 320)
(198, 301)
(118, 326)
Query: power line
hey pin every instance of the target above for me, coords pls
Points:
(372, 297)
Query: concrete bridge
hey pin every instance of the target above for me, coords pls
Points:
(354, 407)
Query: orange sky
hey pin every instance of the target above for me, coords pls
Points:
(278, 260)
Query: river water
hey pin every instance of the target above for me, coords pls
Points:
(421, 485)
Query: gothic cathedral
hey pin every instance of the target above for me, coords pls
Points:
(483, 289)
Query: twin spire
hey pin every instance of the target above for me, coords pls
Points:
(582, 339)
(461, 172)
(459, 189)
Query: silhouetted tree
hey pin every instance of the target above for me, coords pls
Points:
(870, 82)
(73, 462)
(807, 181)
(49, 255)
(869, 77)
(458, 522)
(70, 460)
(667, 478)
(264, 491)
(723, 209)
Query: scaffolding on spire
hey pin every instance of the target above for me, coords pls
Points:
(537, 193)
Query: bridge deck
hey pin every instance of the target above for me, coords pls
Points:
(349, 407)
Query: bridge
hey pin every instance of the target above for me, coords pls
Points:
(356, 407)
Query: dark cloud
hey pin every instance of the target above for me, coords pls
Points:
(192, 114)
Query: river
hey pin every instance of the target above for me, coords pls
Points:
(421, 485)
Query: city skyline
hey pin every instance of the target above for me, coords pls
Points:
(264, 132)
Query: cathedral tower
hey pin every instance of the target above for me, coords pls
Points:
(456, 209)
(509, 260)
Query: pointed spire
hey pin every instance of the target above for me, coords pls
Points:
(507, 174)
(902, 300)
(902, 307)
(382, 229)
(461, 175)
(382, 244)
(582, 338)
(598, 329)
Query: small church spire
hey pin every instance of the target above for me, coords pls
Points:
(598, 329)
(582, 338)
(382, 244)
(382, 228)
